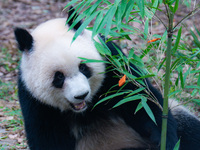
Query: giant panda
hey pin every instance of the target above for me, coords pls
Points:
(57, 94)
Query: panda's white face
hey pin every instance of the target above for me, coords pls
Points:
(53, 71)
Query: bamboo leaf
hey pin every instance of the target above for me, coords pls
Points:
(177, 145)
(186, 74)
(70, 4)
(176, 6)
(178, 37)
(192, 87)
(84, 25)
(175, 92)
(101, 49)
(139, 106)
(161, 64)
(198, 81)
(128, 99)
(181, 79)
(110, 15)
(129, 9)
(97, 23)
(136, 91)
(196, 41)
(110, 97)
(146, 29)
(198, 32)
(140, 4)
(148, 110)
(92, 60)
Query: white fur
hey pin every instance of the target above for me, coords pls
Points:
(53, 51)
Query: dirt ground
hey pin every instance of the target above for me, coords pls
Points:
(28, 14)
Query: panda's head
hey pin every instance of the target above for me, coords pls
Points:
(52, 70)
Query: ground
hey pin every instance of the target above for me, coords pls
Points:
(28, 14)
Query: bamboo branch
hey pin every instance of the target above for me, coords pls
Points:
(187, 16)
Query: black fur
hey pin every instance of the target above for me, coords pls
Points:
(58, 80)
(70, 22)
(188, 130)
(24, 39)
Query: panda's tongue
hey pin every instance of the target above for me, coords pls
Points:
(79, 106)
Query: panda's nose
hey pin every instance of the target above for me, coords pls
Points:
(82, 96)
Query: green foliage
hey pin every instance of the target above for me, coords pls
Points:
(115, 21)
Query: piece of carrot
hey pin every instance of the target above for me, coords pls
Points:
(153, 40)
(122, 81)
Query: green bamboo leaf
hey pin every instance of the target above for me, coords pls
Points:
(80, 6)
(147, 109)
(84, 25)
(177, 145)
(70, 4)
(76, 8)
(175, 92)
(92, 60)
(176, 82)
(198, 81)
(123, 8)
(154, 6)
(129, 9)
(186, 74)
(110, 15)
(161, 64)
(170, 2)
(194, 92)
(101, 49)
(192, 87)
(176, 6)
(97, 23)
(178, 37)
(164, 37)
(110, 97)
(86, 13)
(148, 13)
(181, 79)
(136, 91)
(198, 32)
(128, 74)
(196, 41)
(145, 76)
(140, 4)
(146, 29)
(128, 99)
(79, 18)
(139, 106)
(175, 64)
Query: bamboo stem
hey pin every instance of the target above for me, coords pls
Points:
(167, 82)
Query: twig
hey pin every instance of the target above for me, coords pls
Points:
(186, 17)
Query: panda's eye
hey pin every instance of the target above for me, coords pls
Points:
(84, 69)
(58, 80)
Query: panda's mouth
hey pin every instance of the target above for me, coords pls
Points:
(79, 106)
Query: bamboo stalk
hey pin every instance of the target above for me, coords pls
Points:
(167, 82)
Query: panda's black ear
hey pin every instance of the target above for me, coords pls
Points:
(70, 22)
(24, 39)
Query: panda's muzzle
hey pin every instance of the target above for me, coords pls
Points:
(79, 106)
(82, 105)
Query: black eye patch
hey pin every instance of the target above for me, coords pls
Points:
(58, 80)
(84, 69)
